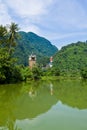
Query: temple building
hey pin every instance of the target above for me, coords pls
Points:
(32, 61)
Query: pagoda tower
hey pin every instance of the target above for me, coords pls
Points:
(32, 61)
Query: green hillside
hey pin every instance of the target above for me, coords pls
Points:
(32, 43)
(71, 58)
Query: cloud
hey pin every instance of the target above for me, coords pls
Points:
(53, 19)
(67, 15)
(28, 13)
(28, 7)
(30, 28)
(62, 36)
(52, 14)
(4, 16)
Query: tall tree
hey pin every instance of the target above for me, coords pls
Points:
(3, 35)
(13, 35)
(8, 71)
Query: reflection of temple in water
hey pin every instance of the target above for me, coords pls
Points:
(51, 88)
(32, 93)
(18, 105)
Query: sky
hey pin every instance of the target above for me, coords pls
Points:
(60, 21)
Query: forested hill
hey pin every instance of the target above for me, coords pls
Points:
(72, 57)
(32, 43)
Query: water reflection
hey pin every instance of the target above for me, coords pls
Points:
(29, 100)
(10, 125)
(16, 101)
(51, 88)
(32, 93)
(72, 94)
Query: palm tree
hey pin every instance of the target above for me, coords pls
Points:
(13, 35)
(3, 34)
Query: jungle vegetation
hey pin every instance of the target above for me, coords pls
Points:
(15, 48)
(70, 61)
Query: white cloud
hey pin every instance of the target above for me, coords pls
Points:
(67, 14)
(27, 8)
(53, 19)
(69, 37)
(4, 16)
(28, 12)
(30, 28)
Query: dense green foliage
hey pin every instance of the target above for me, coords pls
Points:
(32, 43)
(15, 45)
(8, 71)
(15, 49)
(71, 58)
(28, 74)
(84, 73)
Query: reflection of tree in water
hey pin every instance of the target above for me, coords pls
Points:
(33, 90)
(8, 96)
(41, 103)
(72, 93)
(16, 102)
(10, 125)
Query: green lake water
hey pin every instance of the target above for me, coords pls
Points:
(56, 105)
